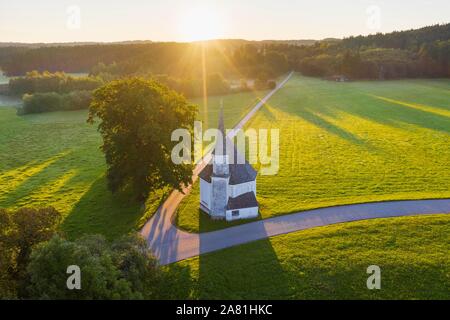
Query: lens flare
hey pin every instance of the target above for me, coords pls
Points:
(200, 24)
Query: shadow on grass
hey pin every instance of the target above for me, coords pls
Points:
(385, 111)
(317, 120)
(101, 212)
(21, 181)
(206, 224)
(381, 110)
(217, 277)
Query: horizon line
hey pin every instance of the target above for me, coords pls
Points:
(216, 39)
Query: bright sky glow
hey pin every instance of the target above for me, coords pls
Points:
(187, 20)
(201, 23)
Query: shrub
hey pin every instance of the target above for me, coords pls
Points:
(271, 84)
(52, 101)
(121, 270)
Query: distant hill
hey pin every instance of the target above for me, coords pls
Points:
(307, 42)
(303, 42)
(423, 52)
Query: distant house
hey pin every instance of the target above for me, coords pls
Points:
(228, 188)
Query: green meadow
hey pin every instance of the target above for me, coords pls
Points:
(353, 142)
(53, 159)
(328, 263)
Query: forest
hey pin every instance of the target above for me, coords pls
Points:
(423, 52)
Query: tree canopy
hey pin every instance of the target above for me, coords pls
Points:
(20, 231)
(123, 269)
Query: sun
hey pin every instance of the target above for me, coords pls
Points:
(200, 24)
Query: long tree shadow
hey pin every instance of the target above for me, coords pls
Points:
(385, 112)
(422, 107)
(403, 112)
(100, 211)
(21, 182)
(320, 122)
(335, 101)
(235, 273)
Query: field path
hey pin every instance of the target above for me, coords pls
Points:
(170, 244)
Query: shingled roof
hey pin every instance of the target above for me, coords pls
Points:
(246, 200)
(239, 173)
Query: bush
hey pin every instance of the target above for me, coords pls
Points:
(121, 270)
(52, 101)
(271, 84)
(35, 82)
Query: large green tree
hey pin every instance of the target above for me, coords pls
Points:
(137, 118)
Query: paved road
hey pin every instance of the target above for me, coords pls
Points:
(170, 244)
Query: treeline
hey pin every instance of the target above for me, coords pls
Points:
(377, 63)
(59, 82)
(415, 53)
(230, 58)
(71, 59)
(423, 52)
(194, 87)
(48, 92)
(406, 40)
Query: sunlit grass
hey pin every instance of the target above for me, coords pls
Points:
(236, 106)
(53, 159)
(340, 144)
(328, 263)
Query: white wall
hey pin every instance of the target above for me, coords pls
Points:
(247, 213)
(233, 191)
(238, 189)
(205, 193)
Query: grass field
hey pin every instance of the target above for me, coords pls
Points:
(343, 143)
(328, 263)
(53, 159)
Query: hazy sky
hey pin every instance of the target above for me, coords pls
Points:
(184, 20)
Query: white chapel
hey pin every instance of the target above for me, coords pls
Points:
(228, 186)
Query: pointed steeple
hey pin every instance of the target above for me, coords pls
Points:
(221, 127)
(220, 155)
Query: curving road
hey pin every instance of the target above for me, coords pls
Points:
(169, 244)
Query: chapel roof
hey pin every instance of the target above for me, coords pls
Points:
(239, 173)
(239, 169)
(246, 200)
